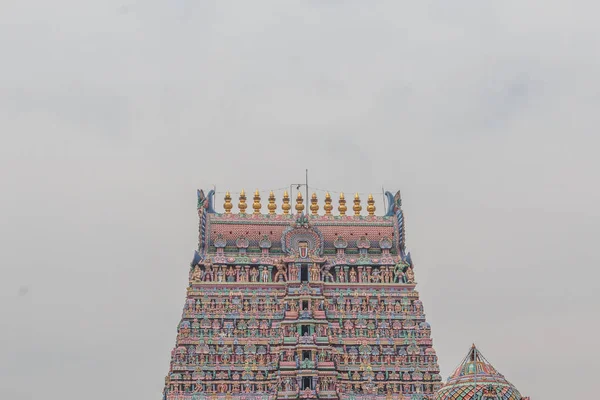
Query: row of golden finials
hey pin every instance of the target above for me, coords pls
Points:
(286, 207)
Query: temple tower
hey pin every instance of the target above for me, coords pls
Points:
(299, 304)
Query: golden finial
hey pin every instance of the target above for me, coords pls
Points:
(242, 204)
(357, 207)
(256, 205)
(342, 208)
(227, 206)
(299, 201)
(371, 205)
(272, 206)
(286, 203)
(327, 207)
(314, 204)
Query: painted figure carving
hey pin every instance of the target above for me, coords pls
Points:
(375, 278)
(197, 274)
(281, 271)
(410, 275)
(264, 274)
(231, 274)
(327, 276)
(364, 276)
(314, 273)
(340, 275)
(293, 272)
(352, 276)
(399, 273)
(208, 271)
(384, 275)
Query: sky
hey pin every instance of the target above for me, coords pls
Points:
(112, 114)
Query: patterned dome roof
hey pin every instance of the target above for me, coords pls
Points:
(476, 378)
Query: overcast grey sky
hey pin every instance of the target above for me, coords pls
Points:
(484, 114)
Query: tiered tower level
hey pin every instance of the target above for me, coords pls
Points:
(302, 305)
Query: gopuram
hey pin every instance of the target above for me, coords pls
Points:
(302, 304)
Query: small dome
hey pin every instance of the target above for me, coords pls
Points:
(476, 378)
